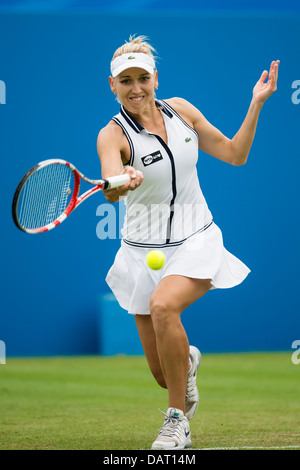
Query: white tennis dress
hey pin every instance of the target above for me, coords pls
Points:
(167, 212)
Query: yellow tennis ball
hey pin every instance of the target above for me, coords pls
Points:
(155, 259)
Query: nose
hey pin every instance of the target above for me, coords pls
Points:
(136, 87)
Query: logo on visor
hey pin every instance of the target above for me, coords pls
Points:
(131, 57)
(152, 158)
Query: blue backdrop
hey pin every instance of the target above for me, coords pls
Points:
(55, 67)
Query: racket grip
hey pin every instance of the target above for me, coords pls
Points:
(116, 181)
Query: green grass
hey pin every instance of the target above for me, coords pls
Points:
(246, 400)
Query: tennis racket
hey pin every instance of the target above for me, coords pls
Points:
(49, 192)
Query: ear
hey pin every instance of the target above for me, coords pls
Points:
(155, 80)
(112, 86)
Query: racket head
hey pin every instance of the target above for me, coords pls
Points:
(45, 196)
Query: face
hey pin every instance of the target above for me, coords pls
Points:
(135, 88)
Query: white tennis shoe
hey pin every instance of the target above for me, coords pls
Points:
(192, 394)
(174, 433)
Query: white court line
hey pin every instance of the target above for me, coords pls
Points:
(251, 448)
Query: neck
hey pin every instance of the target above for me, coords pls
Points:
(149, 113)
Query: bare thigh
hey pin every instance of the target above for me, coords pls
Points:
(176, 293)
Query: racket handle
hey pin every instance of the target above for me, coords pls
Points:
(115, 181)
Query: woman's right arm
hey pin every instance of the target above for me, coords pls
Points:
(113, 149)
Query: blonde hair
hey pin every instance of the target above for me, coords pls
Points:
(136, 44)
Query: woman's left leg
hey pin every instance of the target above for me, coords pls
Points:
(172, 295)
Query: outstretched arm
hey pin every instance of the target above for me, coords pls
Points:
(242, 141)
(234, 151)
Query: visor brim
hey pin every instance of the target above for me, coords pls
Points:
(134, 64)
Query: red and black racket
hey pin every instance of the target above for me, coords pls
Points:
(49, 192)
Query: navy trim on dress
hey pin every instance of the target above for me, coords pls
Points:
(166, 245)
(179, 117)
(116, 120)
(174, 189)
(136, 126)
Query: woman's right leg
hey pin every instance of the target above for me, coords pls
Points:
(147, 336)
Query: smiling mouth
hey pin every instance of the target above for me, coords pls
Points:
(136, 99)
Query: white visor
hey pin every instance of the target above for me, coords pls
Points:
(133, 59)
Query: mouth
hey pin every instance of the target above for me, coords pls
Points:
(136, 99)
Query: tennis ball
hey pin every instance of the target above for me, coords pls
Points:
(155, 259)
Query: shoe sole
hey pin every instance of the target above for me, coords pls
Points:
(188, 445)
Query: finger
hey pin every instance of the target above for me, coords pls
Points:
(136, 181)
(263, 76)
(273, 75)
(140, 175)
(136, 178)
(129, 170)
(276, 68)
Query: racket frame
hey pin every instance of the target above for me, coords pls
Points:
(75, 200)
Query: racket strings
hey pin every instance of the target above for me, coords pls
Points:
(45, 196)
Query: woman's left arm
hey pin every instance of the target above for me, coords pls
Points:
(233, 151)
(242, 141)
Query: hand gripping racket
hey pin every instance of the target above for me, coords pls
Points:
(49, 192)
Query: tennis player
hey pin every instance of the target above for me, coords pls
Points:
(156, 142)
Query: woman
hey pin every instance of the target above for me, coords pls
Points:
(156, 143)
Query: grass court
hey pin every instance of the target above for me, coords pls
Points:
(247, 401)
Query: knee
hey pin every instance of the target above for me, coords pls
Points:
(162, 314)
(159, 313)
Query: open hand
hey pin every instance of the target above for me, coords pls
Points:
(262, 89)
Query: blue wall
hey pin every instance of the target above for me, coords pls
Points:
(55, 67)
